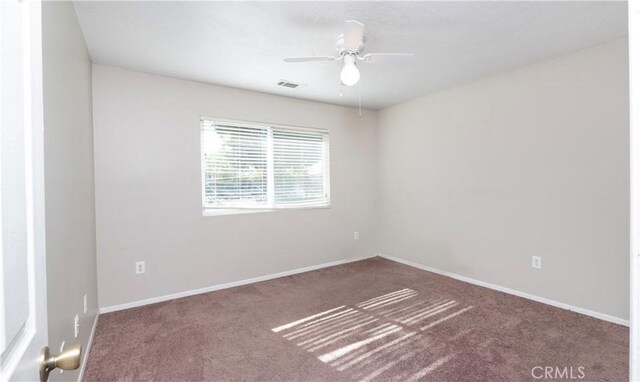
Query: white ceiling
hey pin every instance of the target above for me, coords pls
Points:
(242, 44)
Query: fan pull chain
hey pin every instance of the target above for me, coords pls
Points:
(360, 99)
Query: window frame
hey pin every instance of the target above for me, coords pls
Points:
(208, 210)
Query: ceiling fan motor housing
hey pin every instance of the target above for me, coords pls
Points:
(342, 48)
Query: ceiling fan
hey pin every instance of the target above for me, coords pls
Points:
(350, 45)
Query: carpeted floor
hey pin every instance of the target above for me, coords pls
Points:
(369, 320)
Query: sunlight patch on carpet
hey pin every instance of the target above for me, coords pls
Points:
(385, 336)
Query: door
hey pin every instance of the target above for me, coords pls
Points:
(23, 305)
(634, 87)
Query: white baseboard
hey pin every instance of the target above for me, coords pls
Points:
(88, 348)
(469, 280)
(601, 316)
(153, 300)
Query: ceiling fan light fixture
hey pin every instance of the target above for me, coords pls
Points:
(350, 75)
(350, 45)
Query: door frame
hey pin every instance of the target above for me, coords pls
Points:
(634, 149)
(22, 359)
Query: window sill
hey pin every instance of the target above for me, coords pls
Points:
(242, 211)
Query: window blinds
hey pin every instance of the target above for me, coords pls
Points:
(301, 166)
(259, 166)
(234, 165)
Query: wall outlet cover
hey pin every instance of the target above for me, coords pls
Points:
(536, 262)
(140, 267)
(76, 326)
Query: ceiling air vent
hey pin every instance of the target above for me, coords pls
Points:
(289, 84)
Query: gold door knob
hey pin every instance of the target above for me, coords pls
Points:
(67, 360)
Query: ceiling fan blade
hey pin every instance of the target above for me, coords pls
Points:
(353, 35)
(310, 59)
(387, 57)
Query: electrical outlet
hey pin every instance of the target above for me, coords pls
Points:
(536, 262)
(140, 267)
(356, 235)
(76, 326)
(84, 303)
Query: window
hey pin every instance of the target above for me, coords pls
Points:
(256, 166)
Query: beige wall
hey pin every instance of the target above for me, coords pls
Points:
(69, 181)
(474, 181)
(477, 179)
(148, 199)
